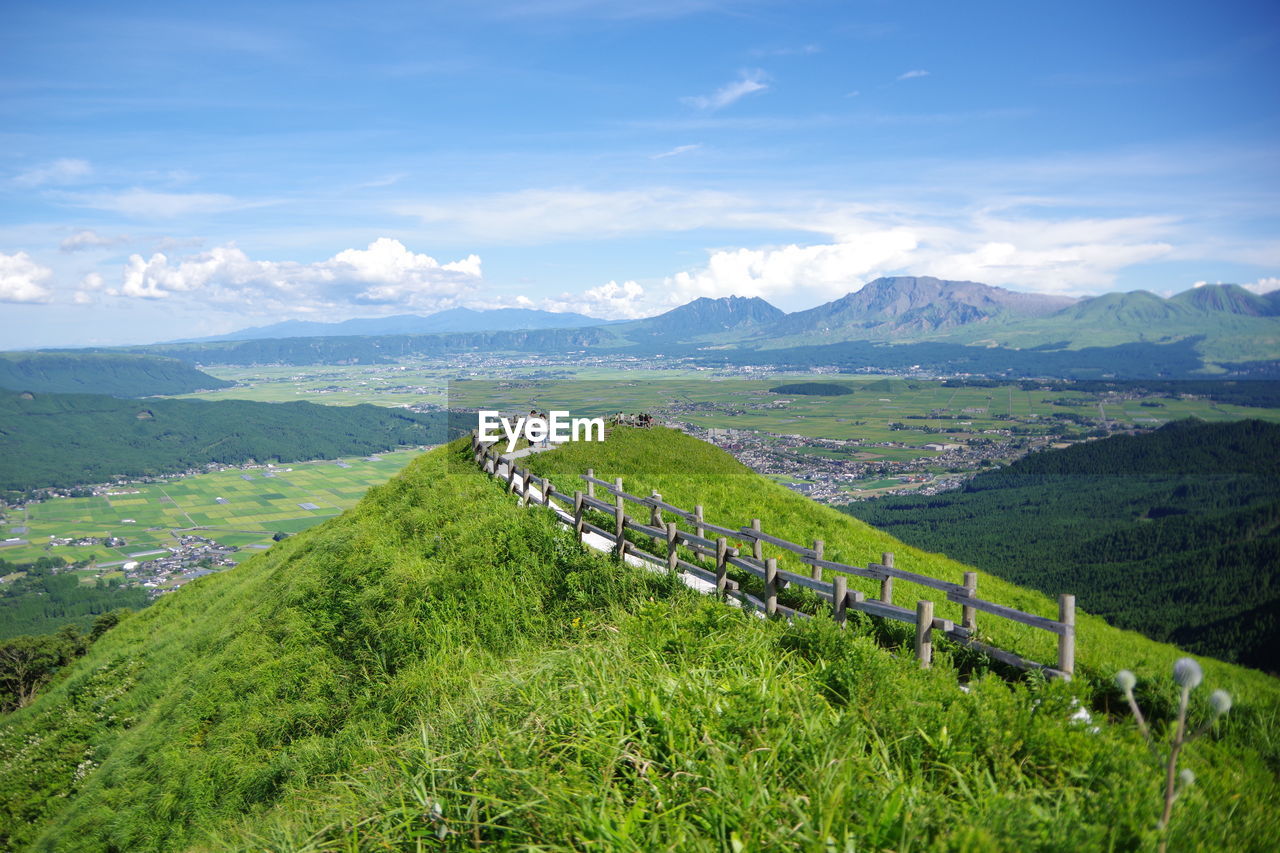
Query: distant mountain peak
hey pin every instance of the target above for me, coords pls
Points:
(1227, 298)
(705, 316)
(919, 303)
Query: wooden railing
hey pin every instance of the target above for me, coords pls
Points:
(748, 556)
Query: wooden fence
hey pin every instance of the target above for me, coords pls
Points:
(749, 556)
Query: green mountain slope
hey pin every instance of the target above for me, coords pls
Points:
(68, 439)
(441, 667)
(1175, 533)
(115, 373)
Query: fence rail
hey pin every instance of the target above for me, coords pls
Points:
(574, 508)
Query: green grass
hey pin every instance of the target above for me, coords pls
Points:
(442, 668)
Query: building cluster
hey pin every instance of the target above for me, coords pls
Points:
(191, 558)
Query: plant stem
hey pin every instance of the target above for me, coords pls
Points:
(1170, 793)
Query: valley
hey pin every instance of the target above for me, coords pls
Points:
(892, 435)
(166, 531)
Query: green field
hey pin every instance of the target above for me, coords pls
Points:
(599, 390)
(257, 506)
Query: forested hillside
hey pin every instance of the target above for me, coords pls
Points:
(1175, 533)
(441, 667)
(68, 439)
(39, 598)
(116, 373)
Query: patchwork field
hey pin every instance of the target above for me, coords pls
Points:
(865, 414)
(241, 507)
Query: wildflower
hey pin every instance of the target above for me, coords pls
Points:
(1186, 777)
(1220, 701)
(1187, 673)
(1125, 680)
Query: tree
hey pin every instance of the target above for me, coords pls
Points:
(26, 663)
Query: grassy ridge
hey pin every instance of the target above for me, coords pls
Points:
(440, 666)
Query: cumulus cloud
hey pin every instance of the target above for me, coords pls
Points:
(611, 301)
(1069, 257)
(89, 285)
(747, 83)
(386, 274)
(63, 171)
(1263, 285)
(805, 273)
(913, 74)
(89, 239)
(22, 279)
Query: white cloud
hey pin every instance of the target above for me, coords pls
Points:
(675, 152)
(386, 275)
(747, 83)
(22, 279)
(611, 301)
(1262, 285)
(913, 74)
(146, 204)
(89, 239)
(90, 284)
(796, 274)
(1074, 257)
(63, 171)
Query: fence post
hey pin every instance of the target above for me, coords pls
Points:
(818, 547)
(886, 585)
(757, 547)
(1067, 640)
(839, 599)
(546, 492)
(697, 521)
(671, 547)
(924, 633)
(577, 515)
(591, 487)
(655, 514)
(969, 615)
(771, 586)
(511, 475)
(619, 519)
(722, 553)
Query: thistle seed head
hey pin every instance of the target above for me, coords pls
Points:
(1187, 673)
(1220, 701)
(1186, 777)
(1125, 680)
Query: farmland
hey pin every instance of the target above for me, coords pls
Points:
(243, 507)
(852, 446)
(605, 388)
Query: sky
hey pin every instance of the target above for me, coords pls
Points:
(177, 169)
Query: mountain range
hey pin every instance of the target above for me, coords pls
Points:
(451, 320)
(892, 323)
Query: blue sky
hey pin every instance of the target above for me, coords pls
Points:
(172, 169)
